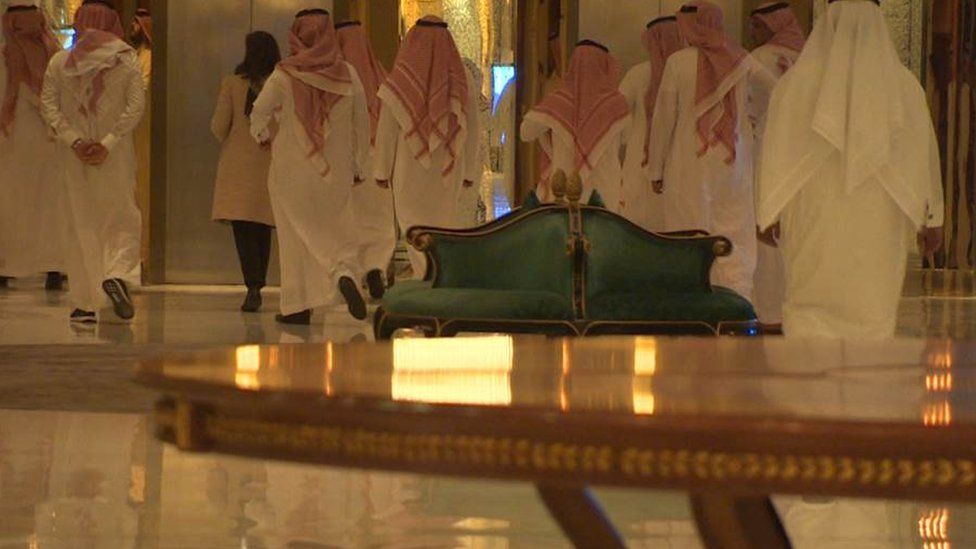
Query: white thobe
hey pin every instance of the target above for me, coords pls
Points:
(705, 192)
(30, 193)
(770, 284)
(312, 212)
(103, 226)
(375, 225)
(604, 174)
(422, 195)
(846, 254)
(640, 203)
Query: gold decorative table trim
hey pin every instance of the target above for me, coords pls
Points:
(673, 466)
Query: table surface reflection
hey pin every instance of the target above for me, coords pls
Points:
(922, 382)
(890, 419)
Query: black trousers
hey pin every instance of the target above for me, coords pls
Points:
(254, 250)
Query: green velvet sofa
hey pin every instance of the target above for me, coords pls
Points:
(565, 270)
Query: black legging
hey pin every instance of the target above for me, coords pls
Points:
(254, 250)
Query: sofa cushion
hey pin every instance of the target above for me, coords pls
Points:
(458, 303)
(406, 286)
(723, 305)
(527, 254)
(625, 258)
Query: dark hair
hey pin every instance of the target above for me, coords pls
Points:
(261, 54)
(593, 44)
(313, 11)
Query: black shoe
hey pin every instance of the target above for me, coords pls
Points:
(54, 282)
(83, 317)
(253, 301)
(376, 284)
(5, 281)
(303, 318)
(354, 299)
(117, 291)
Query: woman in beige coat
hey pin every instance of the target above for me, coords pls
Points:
(241, 191)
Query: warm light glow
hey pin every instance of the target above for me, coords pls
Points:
(643, 399)
(933, 528)
(645, 366)
(645, 356)
(938, 414)
(248, 364)
(938, 383)
(482, 524)
(466, 370)
(329, 365)
(941, 359)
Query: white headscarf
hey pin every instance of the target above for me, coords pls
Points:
(849, 95)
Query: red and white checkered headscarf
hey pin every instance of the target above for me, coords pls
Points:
(427, 92)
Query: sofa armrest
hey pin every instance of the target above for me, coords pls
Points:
(523, 251)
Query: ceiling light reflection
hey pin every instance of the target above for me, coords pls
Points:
(466, 370)
(247, 365)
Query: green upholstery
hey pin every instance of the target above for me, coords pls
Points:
(561, 269)
(528, 255)
(625, 258)
(406, 286)
(721, 305)
(455, 303)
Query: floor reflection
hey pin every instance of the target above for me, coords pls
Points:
(83, 480)
(77, 479)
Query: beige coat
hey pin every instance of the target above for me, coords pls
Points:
(241, 190)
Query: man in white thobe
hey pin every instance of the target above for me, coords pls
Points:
(775, 29)
(850, 170)
(93, 98)
(30, 196)
(317, 156)
(701, 149)
(372, 205)
(640, 86)
(580, 126)
(428, 136)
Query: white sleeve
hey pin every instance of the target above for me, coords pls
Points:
(665, 121)
(51, 105)
(135, 102)
(360, 128)
(761, 85)
(630, 87)
(267, 104)
(385, 147)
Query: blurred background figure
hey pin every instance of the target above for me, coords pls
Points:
(642, 205)
(30, 199)
(241, 190)
(316, 158)
(372, 205)
(93, 98)
(779, 39)
(429, 136)
(580, 126)
(702, 140)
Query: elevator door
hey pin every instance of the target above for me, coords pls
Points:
(205, 42)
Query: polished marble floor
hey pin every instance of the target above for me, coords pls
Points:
(79, 467)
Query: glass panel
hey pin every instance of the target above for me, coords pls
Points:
(484, 31)
(61, 14)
